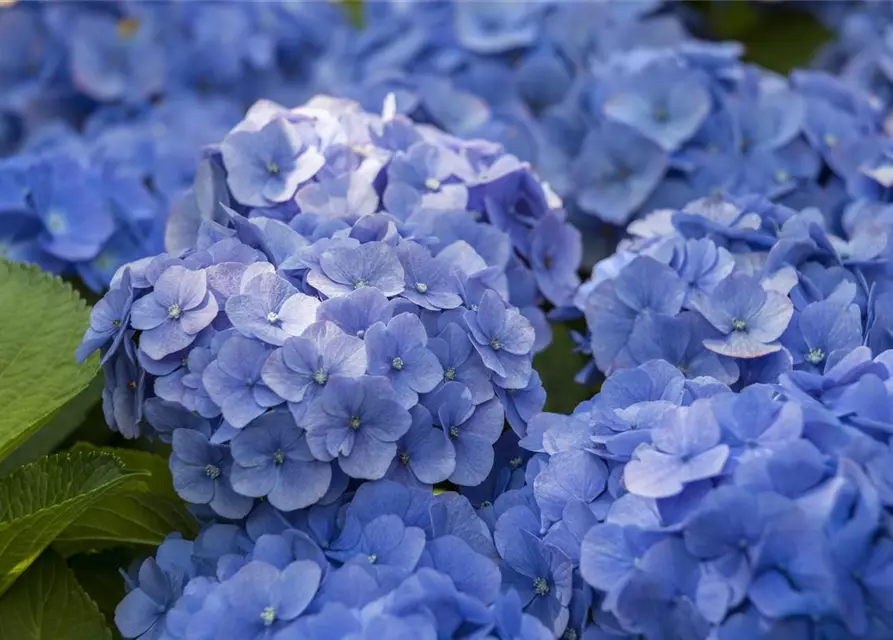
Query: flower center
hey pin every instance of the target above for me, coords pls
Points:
(320, 376)
(56, 223)
(541, 586)
(272, 317)
(433, 184)
(830, 140)
(355, 422)
(569, 634)
(659, 114)
(373, 558)
(359, 284)
(454, 432)
(782, 176)
(127, 28)
(404, 458)
(815, 355)
(131, 384)
(174, 311)
(739, 325)
(449, 374)
(268, 615)
(421, 287)
(485, 504)
(116, 323)
(279, 457)
(212, 471)
(495, 344)
(397, 363)
(515, 462)
(272, 168)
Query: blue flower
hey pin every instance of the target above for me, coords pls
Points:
(357, 421)
(272, 460)
(616, 171)
(429, 281)
(300, 370)
(823, 331)
(750, 318)
(686, 447)
(399, 352)
(355, 312)
(471, 430)
(424, 453)
(662, 101)
(490, 27)
(109, 320)
(142, 612)
(503, 338)
(124, 391)
(343, 270)
(269, 308)
(233, 381)
(385, 546)
(555, 252)
(265, 166)
(260, 599)
(171, 315)
(67, 198)
(201, 473)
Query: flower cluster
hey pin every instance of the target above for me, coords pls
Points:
(62, 61)
(105, 107)
(87, 203)
(390, 562)
(348, 319)
(742, 290)
(693, 511)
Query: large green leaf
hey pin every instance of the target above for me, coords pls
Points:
(42, 320)
(47, 603)
(143, 514)
(40, 500)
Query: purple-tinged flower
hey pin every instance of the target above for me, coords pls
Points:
(472, 431)
(686, 448)
(272, 460)
(350, 196)
(424, 453)
(142, 613)
(399, 352)
(461, 363)
(269, 308)
(300, 370)
(750, 318)
(233, 381)
(357, 311)
(429, 281)
(266, 166)
(521, 405)
(174, 312)
(822, 332)
(201, 473)
(385, 545)
(109, 320)
(345, 269)
(504, 340)
(357, 421)
(124, 390)
(260, 600)
(556, 249)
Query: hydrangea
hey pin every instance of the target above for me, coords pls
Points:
(399, 562)
(288, 354)
(695, 511)
(740, 289)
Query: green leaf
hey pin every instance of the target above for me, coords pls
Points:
(787, 40)
(99, 574)
(40, 500)
(143, 514)
(47, 603)
(42, 321)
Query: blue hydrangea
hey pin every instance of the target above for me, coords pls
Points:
(740, 289)
(715, 513)
(281, 353)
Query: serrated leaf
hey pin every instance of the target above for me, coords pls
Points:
(99, 574)
(42, 320)
(40, 500)
(143, 514)
(47, 603)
